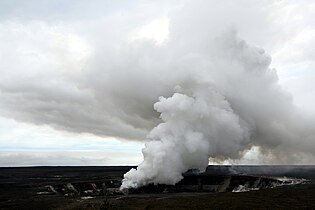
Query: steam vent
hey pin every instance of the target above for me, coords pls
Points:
(214, 179)
(205, 182)
(192, 182)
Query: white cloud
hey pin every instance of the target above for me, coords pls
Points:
(157, 30)
(101, 72)
(67, 158)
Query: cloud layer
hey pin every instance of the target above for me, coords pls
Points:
(102, 72)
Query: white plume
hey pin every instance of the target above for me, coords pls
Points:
(230, 103)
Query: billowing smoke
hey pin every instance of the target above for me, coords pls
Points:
(102, 73)
(230, 103)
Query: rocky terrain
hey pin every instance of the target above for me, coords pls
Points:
(98, 188)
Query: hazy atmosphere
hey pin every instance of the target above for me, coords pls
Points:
(169, 84)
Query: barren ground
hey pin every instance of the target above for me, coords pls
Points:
(19, 188)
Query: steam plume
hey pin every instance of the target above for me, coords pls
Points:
(96, 73)
(230, 103)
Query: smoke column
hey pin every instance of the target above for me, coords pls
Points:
(173, 75)
(230, 102)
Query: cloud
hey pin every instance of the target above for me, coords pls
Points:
(45, 82)
(66, 158)
(89, 74)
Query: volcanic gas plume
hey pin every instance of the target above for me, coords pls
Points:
(230, 102)
(187, 79)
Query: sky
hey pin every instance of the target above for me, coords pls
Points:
(79, 79)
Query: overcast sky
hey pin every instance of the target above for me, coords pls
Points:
(78, 78)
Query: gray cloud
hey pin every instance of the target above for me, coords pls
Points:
(85, 75)
(65, 158)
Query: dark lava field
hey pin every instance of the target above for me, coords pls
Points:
(219, 187)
